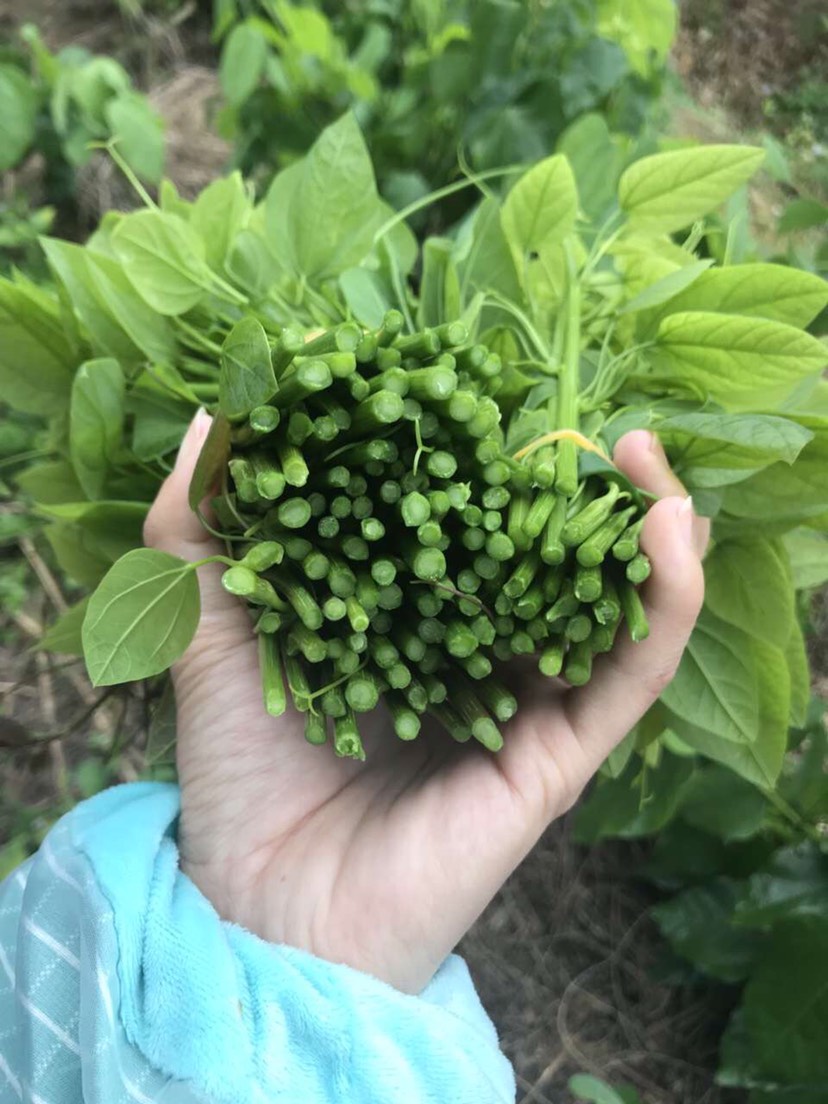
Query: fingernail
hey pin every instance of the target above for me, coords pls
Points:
(685, 518)
(193, 438)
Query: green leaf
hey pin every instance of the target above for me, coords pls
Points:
(18, 115)
(139, 132)
(219, 213)
(585, 1087)
(86, 546)
(759, 758)
(784, 496)
(668, 191)
(634, 804)
(666, 288)
(212, 460)
(439, 286)
(63, 637)
(489, 264)
(52, 482)
(808, 555)
(740, 362)
(644, 29)
(698, 925)
(251, 265)
(747, 584)
(786, 1004)
(322, 212)
(36, 360)
(366, 294)
(720, 802)
(243, 59)
(715, 686)
(141, 618)
(163, 258)
(796, 656)
(775, 292)
(596, 160)
(151, 335)
(246, 378)
(802, 214)
(794, 883)
(541, 208)
(741, 442)
(96, 419)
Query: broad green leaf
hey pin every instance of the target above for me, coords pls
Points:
(740, 362)
(63, 637)
(323, 211)
(808, 554)
(70, 264)
(488, 265)
(759, 760)
(803, 214)
(139, 132)
(541, 208)
(698, 925)
(18, 115)
(720, 802)
(52, 482)
(747, 584)
(96, 419)
(784, 496)
(596, 159)
(251, 265)
(644, 29)
(439, 286)
(786, 1004)
(794, 883)
(246, 378)
(243, 59)
(633, 805)
(159, 419)
(212, 460)
(669, 191)
(219, 213)
(776, 292)
(366, 294)
(141, 618)
(742, 442)
(164, 260)
(585, 1087)
(152, 335)
(666, 288)
(36, 360)
(715, 687)
(86, 547)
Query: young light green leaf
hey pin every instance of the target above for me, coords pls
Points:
(219, 213)
(96, 420)
(366, 294)
(439, 287)
(246, 377)
(152, 335)
(63, 637)
(164, 260)
(36, 360)
(212, 461)
(139, 132)
(715, 687)
(666, 288)
(489, 264)
(747, 585)
(808, 555)
(251, 265)
(588, 1088)
(541, 208)
(322, 212)
(596, 158)
(18, 115)
(644, 29)
(243, 58)
(772, 291)
(740, 362)
(141, 618)
(668, 191)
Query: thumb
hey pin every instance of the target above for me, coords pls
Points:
(171, 526)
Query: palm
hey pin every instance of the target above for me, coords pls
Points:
(383, 865)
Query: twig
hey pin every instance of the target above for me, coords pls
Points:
(47, 579)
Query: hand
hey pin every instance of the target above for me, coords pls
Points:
(384, 865)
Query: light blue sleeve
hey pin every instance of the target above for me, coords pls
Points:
(120, 984)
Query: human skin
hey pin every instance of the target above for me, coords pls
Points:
(385, 864)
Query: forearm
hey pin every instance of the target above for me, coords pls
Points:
(119, 981)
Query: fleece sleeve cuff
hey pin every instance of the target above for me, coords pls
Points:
(119, 982)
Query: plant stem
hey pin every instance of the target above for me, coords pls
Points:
(566, 480)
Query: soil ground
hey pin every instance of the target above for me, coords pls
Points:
(566, 958)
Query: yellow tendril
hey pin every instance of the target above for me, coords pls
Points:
(562, 435)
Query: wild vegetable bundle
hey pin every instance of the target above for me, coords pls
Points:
(612, 299)
(395, 550)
